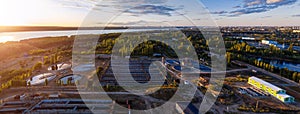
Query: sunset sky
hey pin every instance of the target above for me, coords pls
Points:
(147, 12)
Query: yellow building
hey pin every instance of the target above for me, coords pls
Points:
(271, 89)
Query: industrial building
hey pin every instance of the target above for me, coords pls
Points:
(271, 89)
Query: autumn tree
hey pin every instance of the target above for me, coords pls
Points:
(290, 48)
(37, 66)
(294, 77)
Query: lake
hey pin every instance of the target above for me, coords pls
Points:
(17, 36)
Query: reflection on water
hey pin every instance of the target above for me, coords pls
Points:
(283, 64)
(4, 39)
(288, 65)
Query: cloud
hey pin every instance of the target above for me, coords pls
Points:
(257, 6)
(252, 2)
(219, 12)
(248, 11)
(268, 16)
(130, 23)
(135, 23)
(273, 1)
(151, 9)
(142, 6)
(237, 7)
(297, 15)
(137, 2)
(81, 4)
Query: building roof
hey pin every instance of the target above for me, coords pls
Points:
(273, 87)
(284, 96)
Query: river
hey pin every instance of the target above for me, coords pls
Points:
(283, 64)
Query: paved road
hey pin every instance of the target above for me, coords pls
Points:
(290, 82)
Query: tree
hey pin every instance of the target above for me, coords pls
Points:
(272, 68)
(46, 60)
(69, 82)
(298, 76)
(58, 82)
(281, 72)
(267, 66)
(228, 57)
(248, 48)
(294, 77)
(99, 70)
(260, 64)
(46, 82)
(37, 66)
(290, 48)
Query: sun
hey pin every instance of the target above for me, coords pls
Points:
(8, 13)
(20, 12)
